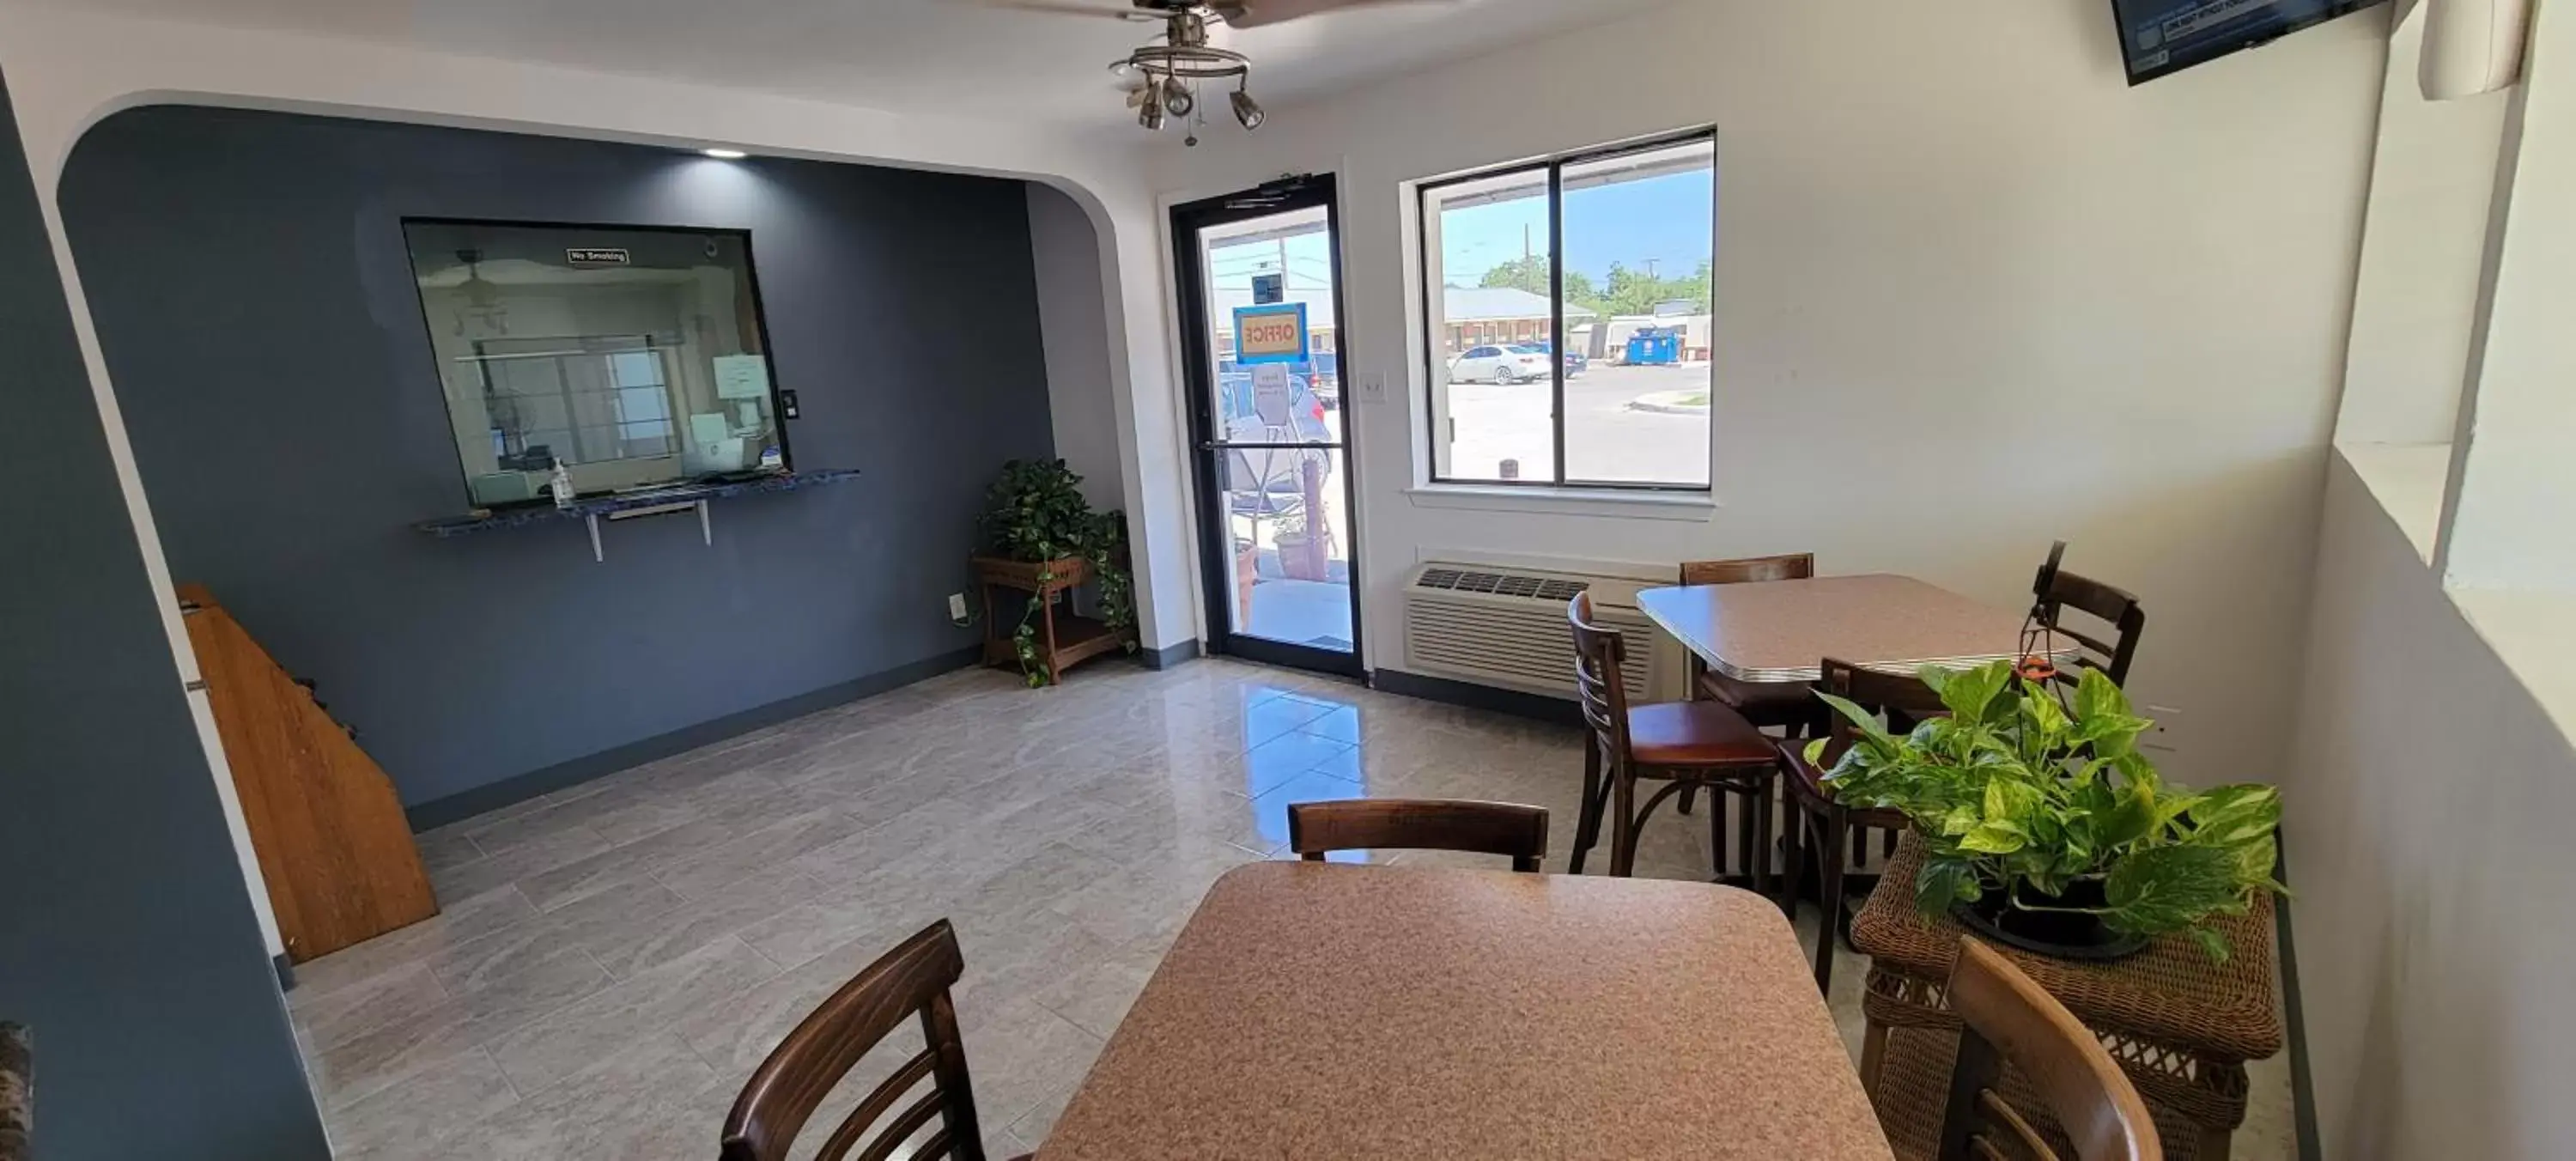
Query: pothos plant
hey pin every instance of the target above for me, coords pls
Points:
(2051, 806)
(1035, 513)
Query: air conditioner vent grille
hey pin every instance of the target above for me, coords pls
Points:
(1501, 584)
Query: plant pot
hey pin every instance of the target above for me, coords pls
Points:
(1306, 558)
(2060, 934)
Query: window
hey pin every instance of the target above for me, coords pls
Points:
(636, 357)
(1569, 318)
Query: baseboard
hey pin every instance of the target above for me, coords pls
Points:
(285, 971)
(2303, 1089)
(1484, 697)
(493, 796)
(1170, 655)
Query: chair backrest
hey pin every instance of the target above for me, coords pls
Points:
(1790, 566)
(2114, 607)
(1599, 682)
(2008, 1018)
(1485, 828)
(912, 979)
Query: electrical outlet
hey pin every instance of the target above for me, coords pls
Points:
(2165, 736)
(957, 607)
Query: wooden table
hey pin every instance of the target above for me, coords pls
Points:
(1350, 1012)
(1779, 631)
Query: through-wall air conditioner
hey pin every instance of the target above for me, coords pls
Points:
(1506, 627)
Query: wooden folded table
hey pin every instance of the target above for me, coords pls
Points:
(1324, 1010)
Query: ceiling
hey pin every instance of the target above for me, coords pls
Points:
(955, 56)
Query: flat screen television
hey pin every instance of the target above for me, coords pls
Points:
(2167, 36)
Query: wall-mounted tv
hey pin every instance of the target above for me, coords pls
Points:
(634, 356)
(2167, 36)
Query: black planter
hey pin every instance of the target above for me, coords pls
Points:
(2064, 935)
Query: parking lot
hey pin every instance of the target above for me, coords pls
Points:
(1607, 439)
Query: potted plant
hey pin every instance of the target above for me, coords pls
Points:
(1042, 536)
(2045, 827)
(1304, 553)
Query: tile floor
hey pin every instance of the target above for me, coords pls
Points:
(614, 960)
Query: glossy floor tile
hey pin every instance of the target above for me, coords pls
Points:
(613, 960)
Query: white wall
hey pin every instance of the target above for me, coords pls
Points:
(1072, 319)
(2429, 795)
(2514, 482)
(2416, 302)
(1974, 294)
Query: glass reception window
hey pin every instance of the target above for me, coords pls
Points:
(635, 357)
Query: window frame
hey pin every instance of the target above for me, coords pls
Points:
(1434, 324)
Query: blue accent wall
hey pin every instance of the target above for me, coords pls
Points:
(248, 274)
(127, 940)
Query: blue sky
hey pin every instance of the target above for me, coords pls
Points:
(1665, 219)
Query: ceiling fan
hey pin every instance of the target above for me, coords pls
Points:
(1165, 76)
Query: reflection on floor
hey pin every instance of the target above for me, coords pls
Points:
(1301, 613)
(615, 959)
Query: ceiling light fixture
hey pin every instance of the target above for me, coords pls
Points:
(725, 154)
(1174, 67)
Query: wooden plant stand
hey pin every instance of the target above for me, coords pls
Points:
(1065, 639)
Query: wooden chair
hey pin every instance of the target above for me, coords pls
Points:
(2005, 1017)
(912, 979)
(1689, 744)
(1485, 828)
(2117, 608)
(1785, 706)
(1836, 831)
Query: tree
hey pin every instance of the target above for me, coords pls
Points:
(1532, 274)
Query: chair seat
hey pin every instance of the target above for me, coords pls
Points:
(1696, 733)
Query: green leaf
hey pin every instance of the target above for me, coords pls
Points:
(2097, 696)
(2230, 815)
(1994, 838)
(2131, 818)
(2161, 889)
(1942, 882)
(1866, 720)
(2212, 942)
(1968, 692)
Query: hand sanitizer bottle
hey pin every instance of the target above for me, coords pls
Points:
(562, 484)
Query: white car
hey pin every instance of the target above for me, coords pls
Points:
(1496, 364)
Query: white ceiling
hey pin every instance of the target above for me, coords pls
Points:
(958, 56)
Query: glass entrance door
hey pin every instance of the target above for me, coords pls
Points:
(1259, 284)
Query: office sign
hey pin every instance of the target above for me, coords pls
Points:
(596, 256)
(1273, 333)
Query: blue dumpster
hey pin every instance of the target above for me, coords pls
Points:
(1655, 347)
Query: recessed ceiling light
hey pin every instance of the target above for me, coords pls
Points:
(725, 154)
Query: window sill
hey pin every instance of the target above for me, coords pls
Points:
(1697, 507)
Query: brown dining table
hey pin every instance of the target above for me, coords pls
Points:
(1357, 1011)
(1781, 631)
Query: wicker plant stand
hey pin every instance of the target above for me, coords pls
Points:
(1064, 639)
(2181, 1026)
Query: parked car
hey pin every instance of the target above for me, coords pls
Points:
(1498, 365)
(1576, 362)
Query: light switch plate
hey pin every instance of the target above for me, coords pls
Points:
(1373, 387)
(957, 607)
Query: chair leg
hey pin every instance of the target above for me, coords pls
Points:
(1793, 869)
(1623, 828)
(1748, 848)
(1716, 832)
(1759, 850)
(1689, 795)
(1587, 823)
(1837, 833)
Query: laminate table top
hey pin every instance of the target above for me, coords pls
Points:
(1781, 631)
(1318, 1010)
